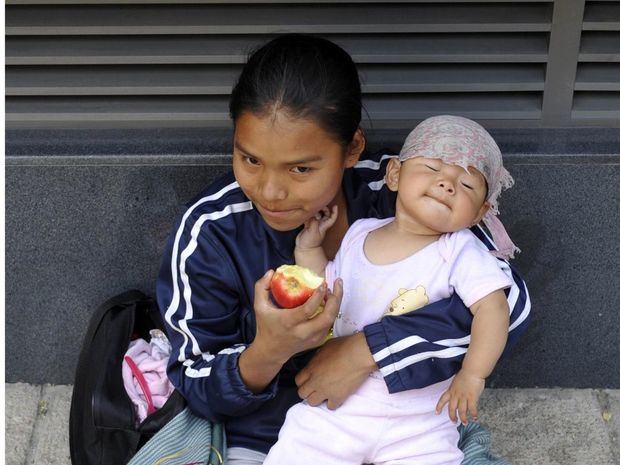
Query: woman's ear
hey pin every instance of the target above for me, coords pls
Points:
(483, 210)
(392, 172)
(355, 149)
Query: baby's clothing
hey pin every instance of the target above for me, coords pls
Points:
(372, 426)
(457, 262)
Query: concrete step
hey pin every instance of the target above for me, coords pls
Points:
(528, 426)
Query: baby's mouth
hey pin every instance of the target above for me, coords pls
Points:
(438, 200)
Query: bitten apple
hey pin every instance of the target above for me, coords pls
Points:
(292, 285)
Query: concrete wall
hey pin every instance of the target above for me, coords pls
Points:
(87, 215)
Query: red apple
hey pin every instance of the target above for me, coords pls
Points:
(292, 285)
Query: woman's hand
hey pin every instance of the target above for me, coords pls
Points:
(285, 332)
(281, 333)
(336, 371)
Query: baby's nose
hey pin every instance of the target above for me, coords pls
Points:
(447, 185)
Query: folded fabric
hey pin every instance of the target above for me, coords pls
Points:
(186, 439)
(475, 442)
(144, 373)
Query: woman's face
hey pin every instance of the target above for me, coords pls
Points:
(289, 168)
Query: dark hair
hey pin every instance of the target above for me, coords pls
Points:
(307, 77)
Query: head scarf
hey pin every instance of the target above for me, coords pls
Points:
(463, 142)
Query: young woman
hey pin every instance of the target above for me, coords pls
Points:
(236, 358)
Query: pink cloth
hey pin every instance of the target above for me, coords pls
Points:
(151, 358)
(460, 141)
(372, 426)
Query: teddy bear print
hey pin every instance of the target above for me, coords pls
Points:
(408, 300)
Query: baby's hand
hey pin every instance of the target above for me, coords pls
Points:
(462, 396)
(315, 228)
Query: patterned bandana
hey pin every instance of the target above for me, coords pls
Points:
(463, 142)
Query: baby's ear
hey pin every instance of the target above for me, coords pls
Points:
(483, 210)
(392, 172)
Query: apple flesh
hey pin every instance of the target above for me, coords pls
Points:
(292, 285)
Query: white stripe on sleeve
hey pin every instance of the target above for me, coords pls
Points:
(525, 312)
(206, 371)
(193, 373)
(413, 340)
(398, 346)
(376, 185)
(373, 165)
(174, 304)
(445, 353)
(187, 290)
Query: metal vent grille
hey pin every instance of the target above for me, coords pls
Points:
(597, 85)
(141, 63)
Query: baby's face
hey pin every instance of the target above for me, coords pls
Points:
(438, 196)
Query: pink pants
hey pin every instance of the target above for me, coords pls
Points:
(372, 426)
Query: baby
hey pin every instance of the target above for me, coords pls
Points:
(448, 177)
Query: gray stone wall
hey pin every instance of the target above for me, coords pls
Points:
(87, 216)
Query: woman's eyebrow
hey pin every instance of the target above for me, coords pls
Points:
(300, 161)
(303, 161)
(244, 150)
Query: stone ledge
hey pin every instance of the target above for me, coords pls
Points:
(225, 159)
(528, 426)
(166, 141)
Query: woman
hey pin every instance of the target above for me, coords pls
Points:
(236, 358)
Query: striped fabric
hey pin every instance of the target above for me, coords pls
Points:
(475, 442)
(186, 439)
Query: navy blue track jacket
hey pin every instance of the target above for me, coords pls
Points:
(218, 250)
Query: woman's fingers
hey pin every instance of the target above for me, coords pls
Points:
(333, 301)
(310, 327)
(296, 329)
(265, 280)
(333, 404)
(331, 307)
(304, 391)
(309, 308)
(261, 289)
(302, 377)
(315, 399)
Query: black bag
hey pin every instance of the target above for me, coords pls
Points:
(102, 421)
